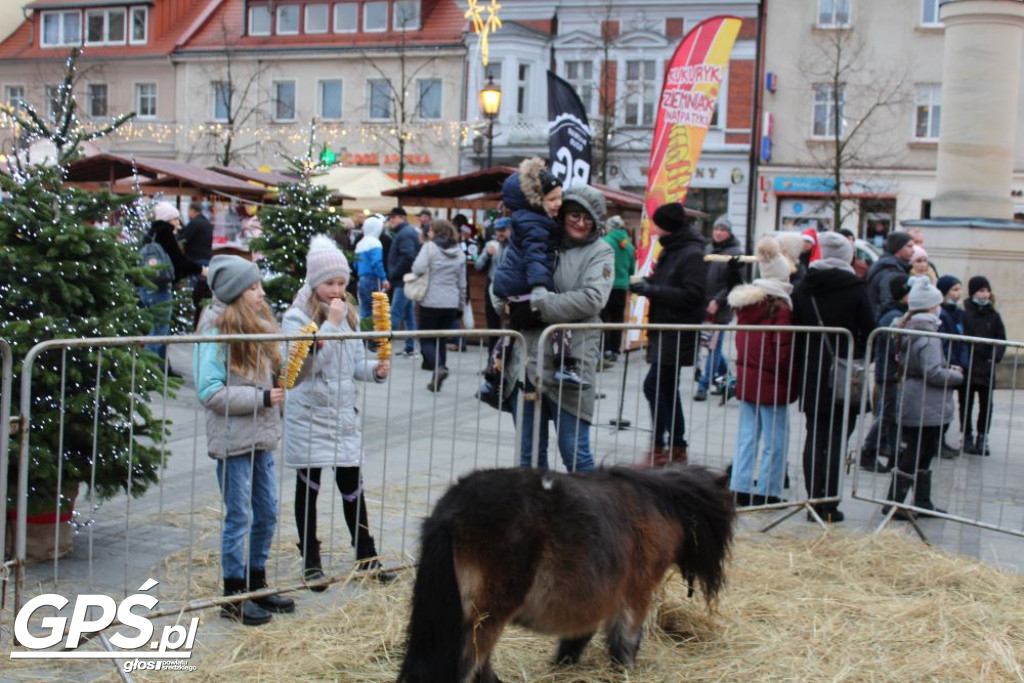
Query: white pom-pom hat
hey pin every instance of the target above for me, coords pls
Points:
(324, 262)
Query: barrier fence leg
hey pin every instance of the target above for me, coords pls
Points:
(618, 422)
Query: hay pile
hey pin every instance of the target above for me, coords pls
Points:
(838, 607)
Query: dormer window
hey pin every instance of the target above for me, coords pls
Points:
(105, 26)
(61, 29)
(139, 26)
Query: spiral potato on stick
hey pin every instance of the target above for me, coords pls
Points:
(297, 352)
(382, 323)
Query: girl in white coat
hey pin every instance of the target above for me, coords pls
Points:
(322, 426)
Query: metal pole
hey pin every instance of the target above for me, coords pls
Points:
(490, 141)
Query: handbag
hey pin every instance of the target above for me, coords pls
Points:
(415, 286)
(855, 370)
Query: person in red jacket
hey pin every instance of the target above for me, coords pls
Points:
(764, 378)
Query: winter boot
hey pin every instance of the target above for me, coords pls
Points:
(247, 611)
(367, 560)
(869, 461)
(677, 455)
(272, 603)
(312, 569)
(923, 492)
(898, 487)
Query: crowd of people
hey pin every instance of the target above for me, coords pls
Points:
(555, 257)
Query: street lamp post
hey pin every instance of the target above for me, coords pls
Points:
(490, 103)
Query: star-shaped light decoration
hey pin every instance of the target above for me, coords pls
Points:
(481, 26)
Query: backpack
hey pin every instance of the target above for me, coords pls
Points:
(156, 258)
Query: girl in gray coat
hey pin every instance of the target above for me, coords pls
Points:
(927, 397)
(322, 427)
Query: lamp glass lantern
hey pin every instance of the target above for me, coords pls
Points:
(490, 103)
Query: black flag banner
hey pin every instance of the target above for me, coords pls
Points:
(568, 133)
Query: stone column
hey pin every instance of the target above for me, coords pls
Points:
(980, 90)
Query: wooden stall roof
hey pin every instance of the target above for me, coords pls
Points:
(270, 179)
(164, 173)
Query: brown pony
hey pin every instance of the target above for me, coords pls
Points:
(560, 554)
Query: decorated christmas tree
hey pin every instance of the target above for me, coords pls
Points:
(302, 210)
(65, 274)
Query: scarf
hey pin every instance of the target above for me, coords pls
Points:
(827, 263)
(776, 288)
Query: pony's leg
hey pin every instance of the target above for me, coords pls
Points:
(480, 641)
(486, 674)
(624, 633)
(570, 649)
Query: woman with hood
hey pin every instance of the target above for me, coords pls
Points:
(442, 305)
(582, 278)
(370, 264)
(831, 295)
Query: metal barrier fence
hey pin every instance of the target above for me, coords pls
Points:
(5, 435)
(959, 468)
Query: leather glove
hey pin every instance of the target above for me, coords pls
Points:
(641, 287)
(537, 294)
(735, 263)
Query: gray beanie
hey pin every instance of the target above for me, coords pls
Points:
(924, 296)
(834, 245)
(723, 222)
(230, 276)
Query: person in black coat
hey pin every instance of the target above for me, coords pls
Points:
(842, 301)
(981, 319)
(197, 240)
(676, 290)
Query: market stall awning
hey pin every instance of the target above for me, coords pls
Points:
(363, 187)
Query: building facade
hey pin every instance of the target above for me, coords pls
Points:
(614, 54)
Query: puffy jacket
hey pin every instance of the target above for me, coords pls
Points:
(447, 285)
(928, 382)
(322, 427)
(952, 319)
(530, 260)
(369, 259)
(983, 321)
(764, 360)
(886, 348)
(881, 271)
(238, 420)
(722, 277)
(402, 252)
(676, 290)
(162, 233)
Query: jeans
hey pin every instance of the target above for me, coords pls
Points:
(661, 388)
(716, 365)
(573, 435)
(367, 286)
(435, 349)
(403, 311)
(247, 484)
(761, 423)
(161, 317)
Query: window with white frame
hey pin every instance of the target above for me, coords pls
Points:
(330, 99)
(346, 17)
(52, 94)
(407, 15)
(316, 18)
(284, 100)
(145, 100)
(259, 20)
(930, 13)
(380, 99)
(828, 108)
(97, 96)
(139, 26)
(287, 20)
(14, 95)
(641, 92)
(61, 28)
(833, 13)
(929, 111)
(105, 26)
(429, 104)
(221, 93)
(522, 88)
(375, 16)
(580, 75)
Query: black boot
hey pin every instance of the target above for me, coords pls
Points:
(923, 492)
(312, 570)
(898, 487)
(367, 560)
(247, 611)
(272, 603)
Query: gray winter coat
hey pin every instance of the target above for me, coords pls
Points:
(584, 274)
(238, 420)
(447, 285)
(928, 383)
(321, 425)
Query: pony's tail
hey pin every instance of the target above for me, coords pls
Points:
(708, 513)
(436, 634)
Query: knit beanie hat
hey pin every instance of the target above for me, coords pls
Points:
(670, 217)
(923, 296)
(230, 276)
(898, 286)
(324, 261)
(723, 222)
(896, 241)
(917, 253)
(548, 181)
(833, 245)
(771, 261)
(792, 244)
(165, 211)
(976, 283)
(946, 283)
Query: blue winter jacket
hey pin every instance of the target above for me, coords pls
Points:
(530, 259)
(952, 319)
(404, 247)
